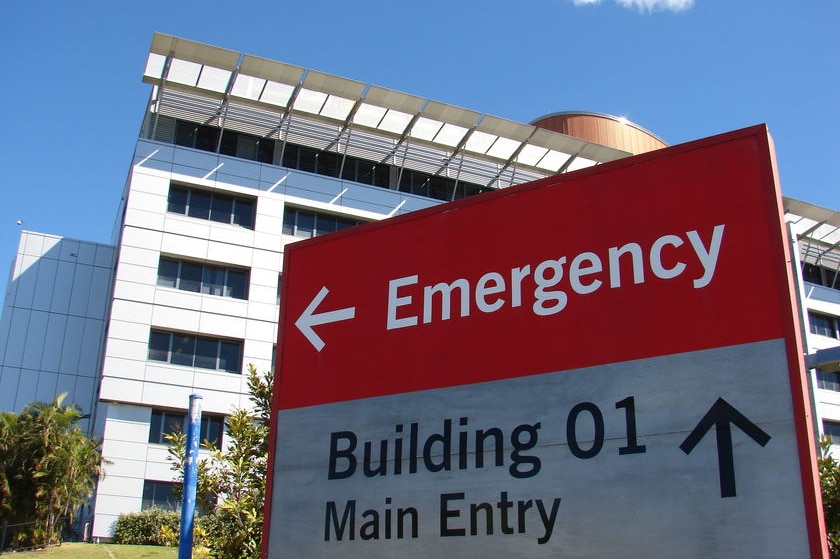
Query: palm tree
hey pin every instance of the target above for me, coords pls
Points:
(49, 467)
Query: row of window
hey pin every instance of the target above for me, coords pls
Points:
(196, 351)
(307, 223)
(821, 275)
(212, 206)
(171, 422)
(824, 324)
(222, 208)
(331, 164)
(202, 278)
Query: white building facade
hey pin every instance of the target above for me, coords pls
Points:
(237, 157)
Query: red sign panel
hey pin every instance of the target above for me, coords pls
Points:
(669, 253)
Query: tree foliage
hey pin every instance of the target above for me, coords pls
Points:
(830, 484)
(48, 469)
(231, 480)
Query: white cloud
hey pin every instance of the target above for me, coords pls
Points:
(646, 5)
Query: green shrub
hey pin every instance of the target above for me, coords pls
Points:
(148, 527)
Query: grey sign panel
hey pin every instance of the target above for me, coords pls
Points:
(681, 456)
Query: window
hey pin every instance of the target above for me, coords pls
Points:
(196, 351)
(307, 223)
(170, 422)
(202, 278)
(824, 324)
(196, 136)
(828, 381)
(160, 495)
(246, 146)
(212, 206)
(820, 275)
(832, 429)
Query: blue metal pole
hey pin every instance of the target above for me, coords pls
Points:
(185, 539)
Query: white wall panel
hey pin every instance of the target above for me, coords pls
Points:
(26, 277)
(46, 390)
(223, 326)
(124, 330)
(224, 305)
(92, 341)
(267, 312)
(9, 377)
(126, 468)
(118, 486)
(140, 218)
(165, 374)
(118, 414)
(134, 291)
(261, 331)
(163, 395)
(184, 246)
(270, 240)
(63, 287)
(54, 342)
(141, 237)
(36, 333)
(86, 253)
(230, 235)
(175, 224)
(185, 300)
(268, 259)
(131, 369)
(132, 311)
(116, 389)
(47, 272)
(263, 293)
(146, 201)
(126, 349)
(105, 256)
(80, 294)
(175, 319)
(17, 337)
(227, 253)
(139, 256)
(72, 347)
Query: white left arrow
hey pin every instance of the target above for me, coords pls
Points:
(309, 319)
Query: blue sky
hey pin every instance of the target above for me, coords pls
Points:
(73, 99)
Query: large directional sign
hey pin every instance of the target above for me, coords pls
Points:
(604, 364)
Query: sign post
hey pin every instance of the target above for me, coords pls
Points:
(603, 364)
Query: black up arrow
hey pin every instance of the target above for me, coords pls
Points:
(720, 416)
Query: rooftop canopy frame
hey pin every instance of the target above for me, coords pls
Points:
(271, 99)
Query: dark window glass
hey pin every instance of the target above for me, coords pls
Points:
(289, 217)
(205, 353)
(228, 144)
(307, 159)
(207, 138)
(812, 273)
(159, 346)
(212, 428)
(183, 350)
(828, 381)
(167, 273)
(305, 224)
(185, 133)
(237, 284)
(324, 223)
(832, 429)
(823, 324)
(190, 277)
(243, 213)
(159, 494)
(178, 200)
(199, 204)
(230, 356)
(221, 209)
(213, 282)
(329, 163)
(265, 151)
